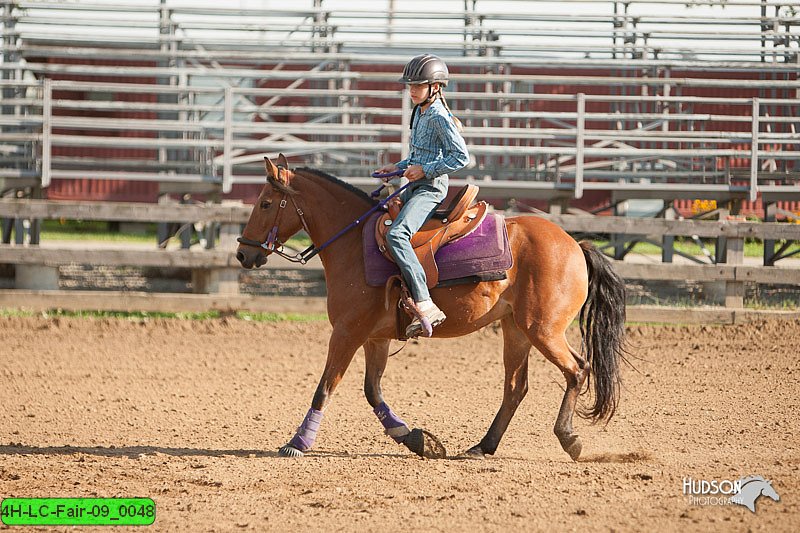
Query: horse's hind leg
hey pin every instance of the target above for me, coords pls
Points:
(421, 442)
(516, 348)
(574, 368)
(376, 354)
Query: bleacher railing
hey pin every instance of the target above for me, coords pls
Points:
(595, 142)
(682, 30)
(217, 88)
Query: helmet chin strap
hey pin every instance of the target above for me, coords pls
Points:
(431, 94)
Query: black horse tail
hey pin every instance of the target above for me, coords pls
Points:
(602, 323)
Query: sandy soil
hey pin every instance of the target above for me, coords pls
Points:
(192, 413)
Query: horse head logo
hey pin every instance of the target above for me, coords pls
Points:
(751, 488)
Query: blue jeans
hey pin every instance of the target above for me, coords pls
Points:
(418, 207)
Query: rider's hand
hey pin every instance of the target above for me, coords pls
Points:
(414, 173)
(386, 169)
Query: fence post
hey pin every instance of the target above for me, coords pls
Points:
(618, 239)
(769, 244)
(162, 228)
(734, 256)
(668, 241)
(224, 280)
(36, 277)
(721, 248)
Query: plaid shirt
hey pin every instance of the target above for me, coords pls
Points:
(436, 143)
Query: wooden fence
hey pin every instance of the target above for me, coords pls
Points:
(215, 271)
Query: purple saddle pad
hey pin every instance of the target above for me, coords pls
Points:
(484, 250)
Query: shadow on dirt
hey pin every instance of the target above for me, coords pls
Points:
(131, 452)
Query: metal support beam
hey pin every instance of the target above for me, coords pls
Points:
(579, 126)
(227, 170)
(754, 152)
(47, 130)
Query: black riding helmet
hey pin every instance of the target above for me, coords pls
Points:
(429, 69)
(426, 68)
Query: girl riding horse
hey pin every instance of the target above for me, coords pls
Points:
(436, 149)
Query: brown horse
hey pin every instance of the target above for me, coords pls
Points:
(553, 280)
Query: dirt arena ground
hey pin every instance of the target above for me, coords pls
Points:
(191, 413)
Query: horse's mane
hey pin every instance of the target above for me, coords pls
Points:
(281, 187)
(336, 181)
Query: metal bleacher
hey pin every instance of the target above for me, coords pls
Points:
(658, 99)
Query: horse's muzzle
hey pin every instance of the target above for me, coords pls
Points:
(251, 258)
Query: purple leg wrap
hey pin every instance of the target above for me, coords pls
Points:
(394, 426)
(307, 432)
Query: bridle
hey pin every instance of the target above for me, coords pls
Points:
(272, 244)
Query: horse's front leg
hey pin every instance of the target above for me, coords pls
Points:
(341, 348)
(419, 441)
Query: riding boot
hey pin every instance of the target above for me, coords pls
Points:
(432, 316)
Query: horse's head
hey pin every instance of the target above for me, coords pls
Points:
(270, 223)
(768, 490)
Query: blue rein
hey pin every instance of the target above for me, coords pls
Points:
(312, 250)
(384, 177)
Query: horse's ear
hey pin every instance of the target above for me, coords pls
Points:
(269, 166)
(282, 161)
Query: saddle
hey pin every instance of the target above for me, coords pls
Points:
(458, 219)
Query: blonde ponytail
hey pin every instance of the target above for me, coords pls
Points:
(456, 121)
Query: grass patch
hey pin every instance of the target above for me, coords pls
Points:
(781, 305)
(97, 230)
(120, 237)
(752, 247)
(281, 317)
(145, 315)
(91, 230)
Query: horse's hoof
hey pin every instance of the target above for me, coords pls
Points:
(475, 453)
(425, 444)
(573, 446)
(290, 451)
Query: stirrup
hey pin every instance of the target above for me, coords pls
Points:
(425, 327)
